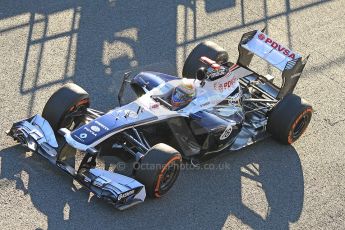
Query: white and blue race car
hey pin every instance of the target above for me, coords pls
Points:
(233, 107)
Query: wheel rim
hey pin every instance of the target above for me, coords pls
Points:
(73, 113)
(299, 125)
(169, 177)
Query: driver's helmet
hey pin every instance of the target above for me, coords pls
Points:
(182, 95)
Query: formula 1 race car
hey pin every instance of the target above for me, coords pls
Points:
(230, 107)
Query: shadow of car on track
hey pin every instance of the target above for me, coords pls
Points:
(203, 197)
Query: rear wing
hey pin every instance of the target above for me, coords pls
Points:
(289, 62)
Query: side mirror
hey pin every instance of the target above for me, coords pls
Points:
(201, 74)
(122, 88)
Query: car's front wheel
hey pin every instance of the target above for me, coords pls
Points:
(158, 169)
(65, 106)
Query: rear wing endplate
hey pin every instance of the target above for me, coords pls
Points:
(289, 62)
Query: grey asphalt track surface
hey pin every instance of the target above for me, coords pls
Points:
(45, 44)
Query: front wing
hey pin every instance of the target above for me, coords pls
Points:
(36, 134)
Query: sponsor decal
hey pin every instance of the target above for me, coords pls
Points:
(229, 83)
(131, 114)
(234, 99)
(226, 132)
(154, 105)
(126, 194)
(90, 131)
(83, 135)
(101, 125)
(95, 128)
(261, 36)
(218, 86)
(205, 104)
(275, 45)
(222, 86)
(77, 137)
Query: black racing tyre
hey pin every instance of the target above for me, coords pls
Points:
(208, 49)
(158, 169)
(69, 99)
(289, 119)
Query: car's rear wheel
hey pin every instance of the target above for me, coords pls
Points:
(289, 119)
(208, 49)
(159, 169)
(65, 106)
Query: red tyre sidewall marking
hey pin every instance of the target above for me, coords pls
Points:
(290, 139)
(178, 157)
(81, 102)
